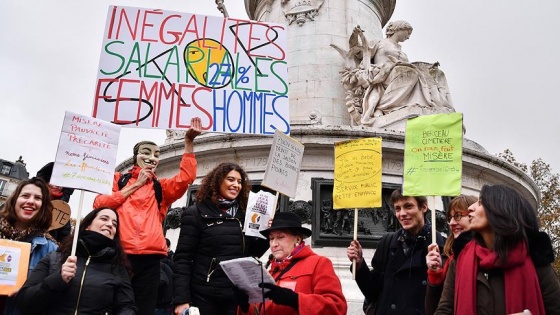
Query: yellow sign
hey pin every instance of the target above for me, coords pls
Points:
(357, 174)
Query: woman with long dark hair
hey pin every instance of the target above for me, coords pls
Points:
(506, 267)
(211, 232)
(25, 217)
(95, 281)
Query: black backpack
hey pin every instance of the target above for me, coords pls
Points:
(157, 186)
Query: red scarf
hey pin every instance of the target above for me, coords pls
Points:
(521, 284)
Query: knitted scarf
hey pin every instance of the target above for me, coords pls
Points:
(228, 206)
(521, 284)
(7, 231)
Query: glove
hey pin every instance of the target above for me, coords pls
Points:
(241, 299)
(279, 295)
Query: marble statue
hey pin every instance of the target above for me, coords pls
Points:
(379, 78)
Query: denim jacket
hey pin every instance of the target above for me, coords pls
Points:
(40, 246)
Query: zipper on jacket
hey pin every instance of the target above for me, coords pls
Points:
(242, 237)
(82, 284)
(211, 270)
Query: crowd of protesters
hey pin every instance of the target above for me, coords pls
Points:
(495, 259)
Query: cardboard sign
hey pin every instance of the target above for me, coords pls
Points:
(284, 162)
(159, 69)
(87, 154)
(433, 151)
(357, 174)
(14, 264)
(60, 214)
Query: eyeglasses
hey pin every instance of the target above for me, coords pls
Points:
(457, 216)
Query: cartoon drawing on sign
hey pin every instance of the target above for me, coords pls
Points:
(231, 73)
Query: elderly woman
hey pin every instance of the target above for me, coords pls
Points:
(506, 267)
(25, 217)
(305, 282)
(95, 281)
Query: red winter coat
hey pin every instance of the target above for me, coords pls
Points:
(140, 220)
(319, 289)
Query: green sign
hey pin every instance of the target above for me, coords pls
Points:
(433, 152)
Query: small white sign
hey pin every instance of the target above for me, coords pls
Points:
(87, 154)
(284, 162)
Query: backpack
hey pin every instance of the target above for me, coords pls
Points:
(157, 186)
(369, 306)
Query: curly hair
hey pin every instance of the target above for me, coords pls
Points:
(43, 219)
(210, 186)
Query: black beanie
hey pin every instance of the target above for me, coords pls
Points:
(46, 171)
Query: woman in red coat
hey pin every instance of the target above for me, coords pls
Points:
(305, 282)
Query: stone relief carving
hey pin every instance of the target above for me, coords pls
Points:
(301, 10)
(379, 79)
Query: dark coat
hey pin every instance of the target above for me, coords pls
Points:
(209, 236)
(105, 289)
(402, 287)
(491, 293)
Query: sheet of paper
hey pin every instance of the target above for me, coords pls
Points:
(246, 273)
(259, 210)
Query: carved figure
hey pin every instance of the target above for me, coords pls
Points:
(379, 78)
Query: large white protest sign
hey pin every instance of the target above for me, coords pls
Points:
(260, 208)
(87, 154)
(159, 69)
(284, 162)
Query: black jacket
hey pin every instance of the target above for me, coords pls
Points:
(402, 287)
(105, 289)
(209, 236)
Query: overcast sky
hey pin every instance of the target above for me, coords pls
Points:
(500, 58)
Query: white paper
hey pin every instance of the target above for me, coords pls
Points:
(260, 207)
(246, 273)
(9, 265)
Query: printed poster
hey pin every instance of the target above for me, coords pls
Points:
(433, 155)
(159, 69)
(260, 207)
(14, 264)
(357, 174)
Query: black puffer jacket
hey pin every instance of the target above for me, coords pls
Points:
(209, 236)
(105, 289)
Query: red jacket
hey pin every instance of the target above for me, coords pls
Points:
(313, 278)
(140, 220)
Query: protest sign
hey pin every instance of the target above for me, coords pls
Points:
(87, 154)
(357, 174)
(14, 264)
(159, 69)
(433, 155)
(260, 208)
(284, 162)
(60, 214)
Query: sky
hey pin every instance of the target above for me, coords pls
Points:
(500, 58)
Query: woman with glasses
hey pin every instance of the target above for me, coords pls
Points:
(458, 220)
(506, 267)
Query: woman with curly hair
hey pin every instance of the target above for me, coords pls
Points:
(95, 281)
(25, 217)
(211, 232)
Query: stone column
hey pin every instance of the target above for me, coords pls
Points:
(315, 93)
